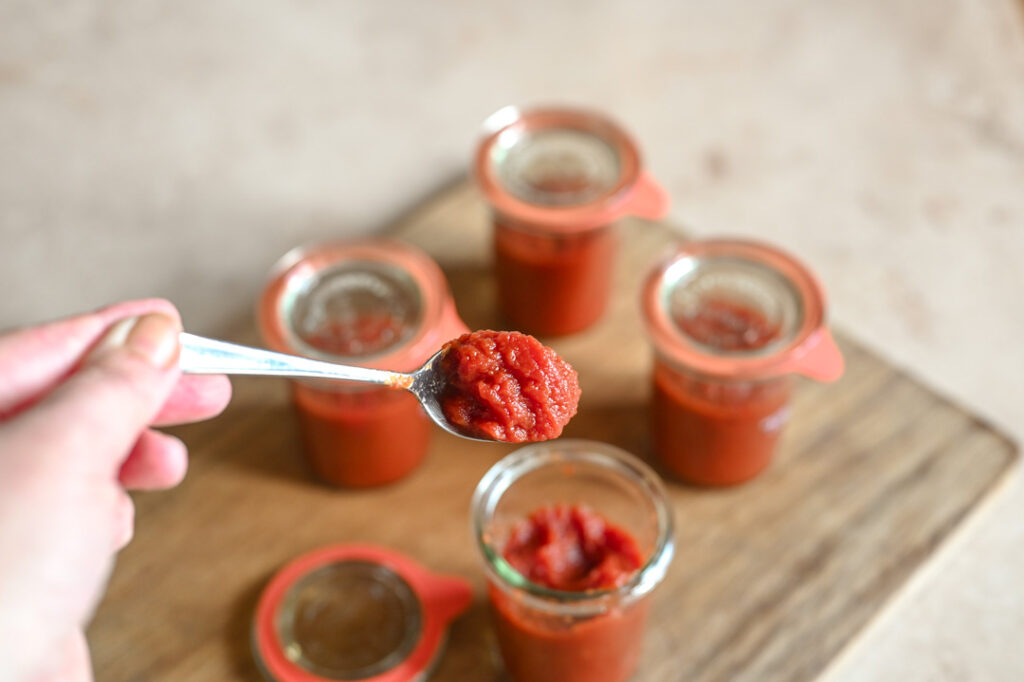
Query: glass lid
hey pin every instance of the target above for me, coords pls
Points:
(740, 309)
(349, 620)
(377, 302)
(354, 612)
(567, 169)
(556, 166)
(353, 309)
(727, 305)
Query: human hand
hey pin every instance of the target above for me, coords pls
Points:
(77, 398)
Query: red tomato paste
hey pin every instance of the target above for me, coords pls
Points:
(570, 548)
(712, 431)
(361, 335)
(362, 438)
(551, 283)
(507, 386)
(728, 326)
(356, 436)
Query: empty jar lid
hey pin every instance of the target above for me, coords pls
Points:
(373, 302)
(566, 168)
(354, 612)
(740, 309)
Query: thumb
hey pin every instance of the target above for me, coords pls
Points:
(94, 418)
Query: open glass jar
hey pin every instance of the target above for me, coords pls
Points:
(552, 635)
(557, 181)
(731, 322)
(376, 303)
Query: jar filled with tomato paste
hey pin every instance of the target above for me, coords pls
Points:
(557, 181)
(574, 535)
(375, 303)
(731, 322)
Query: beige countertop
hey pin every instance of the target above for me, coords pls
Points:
(177, 149)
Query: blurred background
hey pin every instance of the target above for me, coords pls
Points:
(177, 149)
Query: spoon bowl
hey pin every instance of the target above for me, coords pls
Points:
(200, 355)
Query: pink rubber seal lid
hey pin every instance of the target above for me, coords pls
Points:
(355, 612)
(378, 303)
(565, 169)
(766, 308)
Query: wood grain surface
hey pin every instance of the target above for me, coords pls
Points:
(770, 582)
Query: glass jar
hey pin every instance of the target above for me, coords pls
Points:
(550, 635)
(375, 303)
(731, 322)
(557, 181)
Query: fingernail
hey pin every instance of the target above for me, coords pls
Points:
(153, 337)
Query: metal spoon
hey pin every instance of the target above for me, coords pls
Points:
(200, 355)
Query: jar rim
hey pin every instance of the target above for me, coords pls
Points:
(561, 451)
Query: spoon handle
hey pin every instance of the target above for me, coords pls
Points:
(200, 355)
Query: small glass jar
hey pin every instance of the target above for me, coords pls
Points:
(549, 635)
(557, 181)
(375, 303)
(731, 322)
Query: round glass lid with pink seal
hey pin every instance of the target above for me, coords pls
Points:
(355, 612)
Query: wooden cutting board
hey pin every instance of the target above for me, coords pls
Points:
(770, 582)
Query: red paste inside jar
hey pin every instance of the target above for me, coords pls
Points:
(728, 325)
(358, 335)
(572, 548)
(562, 184)
(507, 386)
